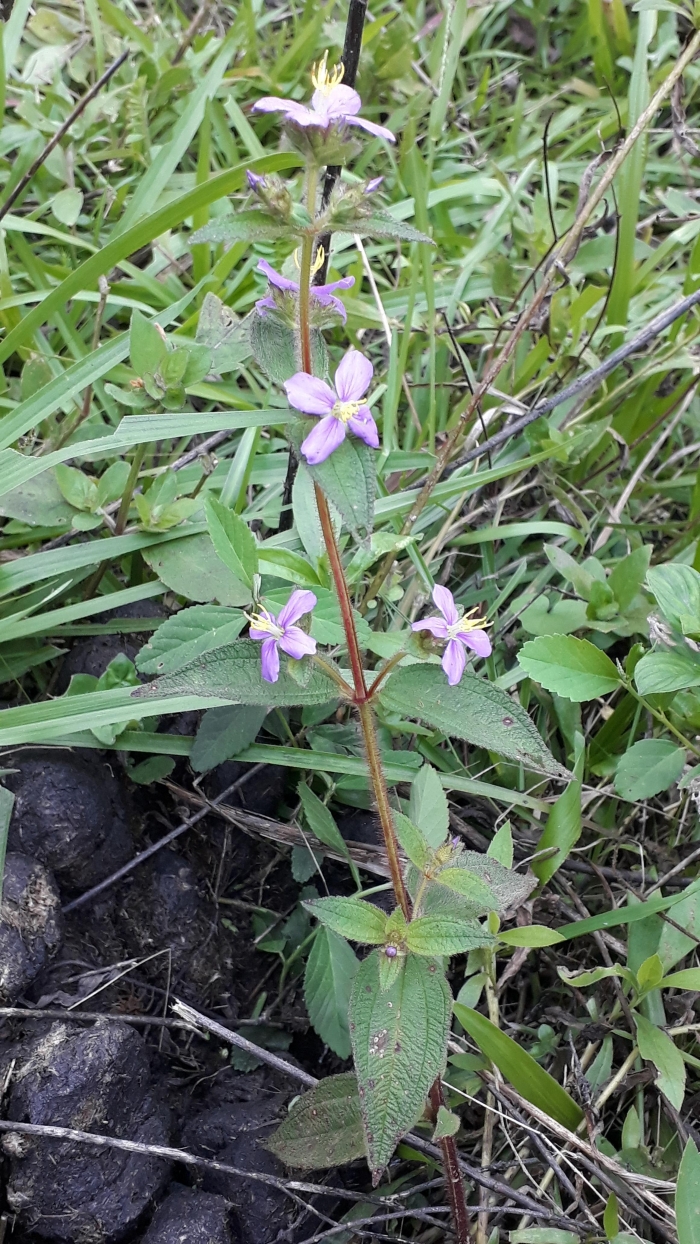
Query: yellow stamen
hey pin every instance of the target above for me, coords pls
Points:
(322, 79)
(265, 622)
(346, 410)
(467, 623)
(317, 263)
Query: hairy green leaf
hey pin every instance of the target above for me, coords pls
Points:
(250, 226)
(399, 1041)
(445, 935)
(233, 673)
(187, 635)
(474, 710)
(469, 885)
(428, 806)
(350, 917)
(277, 350)
(323, 1127)
(347, 477)
(412, 841)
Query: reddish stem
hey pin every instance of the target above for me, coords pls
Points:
(453, 1175)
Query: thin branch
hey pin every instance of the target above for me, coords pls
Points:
(60, 133)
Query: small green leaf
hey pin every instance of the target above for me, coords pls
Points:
(78, 489)
(322, 824)
(520, 1069)
(152, 770)
(428, 807)
(323, 1127)
(650, 973)
(111, 485)
(445, 935)
(412, 841)
(233, 540)
(611, 1217)
(677, 591)
(399, 1041)
(67, 205)
(446, 1124)
(330, 972)
(470, 886)
(223, 733)
(287, 565)
(627, 577)
(474, 710)
(659, 673)
(658, 1048)
(647, 768)
(501, 846)
(572, 668)
(226, 338)
(350, 917)
(146, 346)
(563, 827)
(688, 1196)
(582, 979)
(531, 935)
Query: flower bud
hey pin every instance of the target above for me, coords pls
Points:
(272, 195)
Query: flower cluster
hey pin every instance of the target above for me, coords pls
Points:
(341, 408)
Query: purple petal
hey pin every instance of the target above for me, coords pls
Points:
(276, 278)
(454, 660)
(299, 603)
(345, 282)
(265, 304)
(309, 394)
(330, 300)
(337, 103)
(254, 179)
(292, 110)
(323, 439)
(270, 660)
(353, 377)
(373, 185)
(363, 425)
(445, 602)
(379, 131)
(436, 626)
(296, 643)
(478, 641)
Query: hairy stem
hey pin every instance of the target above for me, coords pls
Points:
(453, 1175)
(381, 795)
(482, 1228)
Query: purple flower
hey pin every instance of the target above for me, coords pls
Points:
(280, 632)
(324, 294)
(460, 633)
(372, 185)
(339, 408)
(255, 181)
(331, 104)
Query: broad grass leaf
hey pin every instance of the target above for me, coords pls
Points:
(347, 477)
(520, 1069)
(677, 591)
(445, 935)
(542, 1235)
(570, 667)
(474, 710)
(7, 803)
(530, 935)
(323, 1127)
(192, 568)
(563, 828)
(223, 733)
(688, 978)
(350, 917)
(658, 1048)
(322, 824)
(399, 1041)
(648, 767)
(233, 672)
(688, 1196)
(187, 635)
(330, 972)
(428, 807)
(660, 672)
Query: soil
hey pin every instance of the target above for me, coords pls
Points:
(180, 925)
